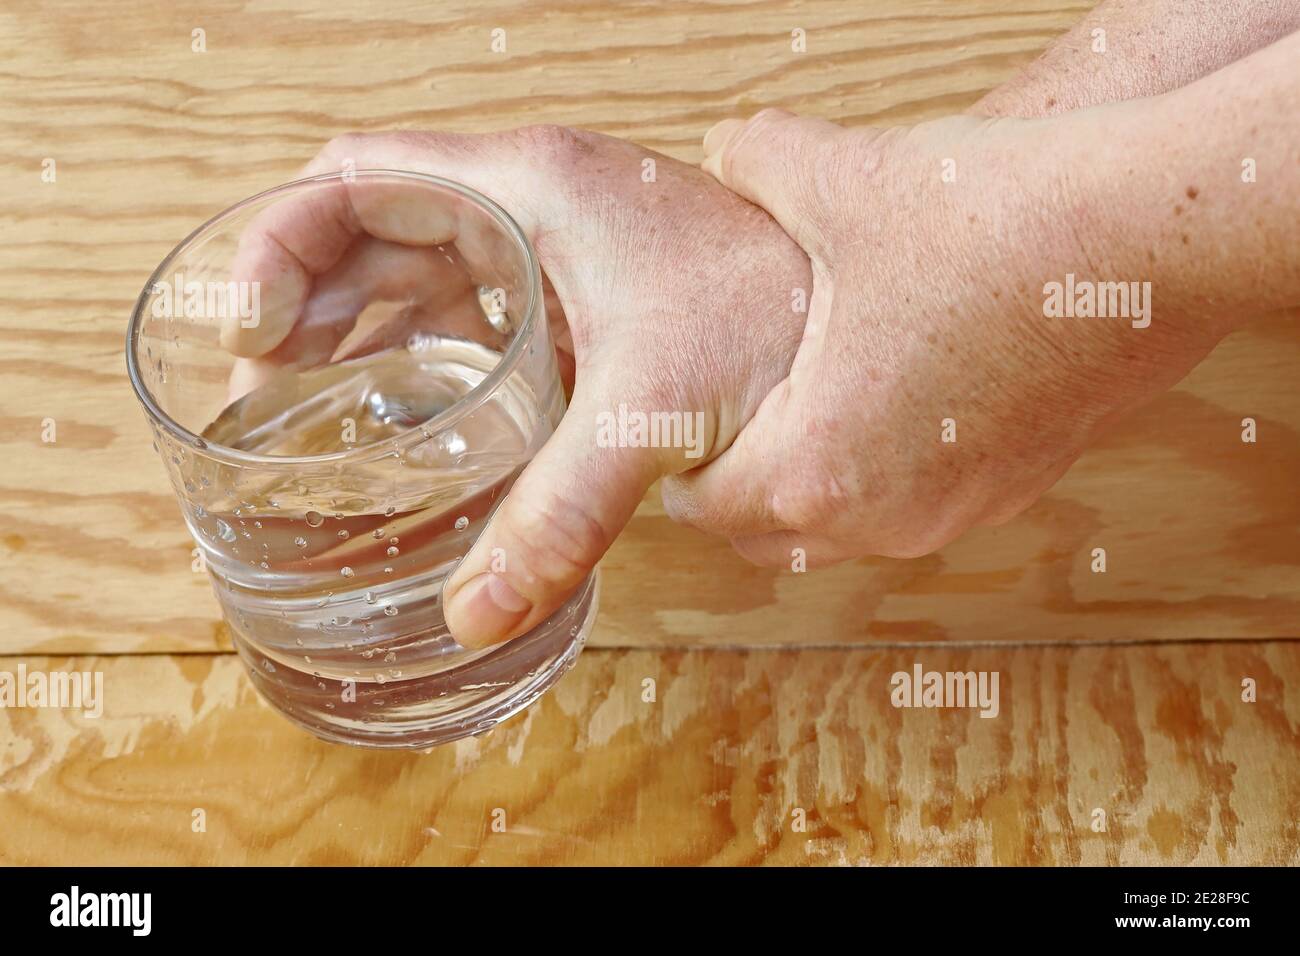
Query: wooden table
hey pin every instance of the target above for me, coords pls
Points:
(771, 737)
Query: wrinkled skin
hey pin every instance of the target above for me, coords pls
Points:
(671, 295)
(926, 318)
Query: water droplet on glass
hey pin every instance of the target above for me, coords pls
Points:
(370, 597)
(298, 641)
(390, 657)
(390, 511)
(346, 571)
(227, 533)
(314, 519)
(393, 552)
(344, 534)
(300, 541)
(390, 610)
(462, 523)
(377, 533)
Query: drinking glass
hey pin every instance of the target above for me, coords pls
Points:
(332, 484)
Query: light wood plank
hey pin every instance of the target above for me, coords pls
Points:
(710, 772)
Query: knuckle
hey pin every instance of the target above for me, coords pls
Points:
(554, 141)
(556, 542)
(345, 144)
(756, 553)
(766, 118)
(800, 507)
(918, 543)
(817, 496)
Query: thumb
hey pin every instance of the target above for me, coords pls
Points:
(774, 159)
(558, 520)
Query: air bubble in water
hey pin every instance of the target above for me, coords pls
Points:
(314, 519)
(344, 534)
(300, 541)
(393, 552)
(377, 533)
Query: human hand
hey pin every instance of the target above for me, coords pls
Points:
(677, 295)
(930, 393)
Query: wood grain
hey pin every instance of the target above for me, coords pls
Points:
(712, 771)
(150, 138)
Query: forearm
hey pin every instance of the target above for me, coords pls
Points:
(1197, 191)
(1150, 47)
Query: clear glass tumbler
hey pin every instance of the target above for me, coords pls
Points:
(333, 482)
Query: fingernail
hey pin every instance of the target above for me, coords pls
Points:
(718, 134)
(485, 611)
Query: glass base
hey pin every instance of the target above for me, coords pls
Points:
(464, 699)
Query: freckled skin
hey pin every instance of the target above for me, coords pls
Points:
(1028, 392)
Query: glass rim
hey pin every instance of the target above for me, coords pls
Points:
(376, 449)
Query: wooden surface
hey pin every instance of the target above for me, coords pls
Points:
(713, 771)
(150, 139)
